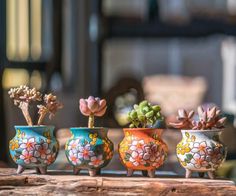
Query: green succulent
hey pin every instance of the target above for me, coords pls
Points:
(144, 115)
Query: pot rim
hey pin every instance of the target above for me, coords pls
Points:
(33, 126)
(200, 131)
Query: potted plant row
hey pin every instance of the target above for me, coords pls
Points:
(142, 148)
(200, 149)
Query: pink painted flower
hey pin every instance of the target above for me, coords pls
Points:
(42, 150)
(199, 161)
(50, 158)
(73, 145)
(215, 155)
(96, 161)
(28, 144)
(200, 148)
(137, 146)
(73, 157)
(137, 158)
(85, 152)
(93, 106)
(28, 157)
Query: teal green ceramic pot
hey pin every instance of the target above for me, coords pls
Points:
(89, 148)
(34, 147)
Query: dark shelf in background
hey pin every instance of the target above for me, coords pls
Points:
(121, 28)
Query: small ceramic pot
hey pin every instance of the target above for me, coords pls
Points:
(142, 149)
(34, 147)
(201, 151)
(89, 148)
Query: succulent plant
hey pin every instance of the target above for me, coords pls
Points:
(51, 106)
(23, 96)
(207, 119)
(144, 115)
(92, 107)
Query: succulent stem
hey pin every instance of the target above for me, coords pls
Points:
(24, 106)
(91, 121)
(41, 117)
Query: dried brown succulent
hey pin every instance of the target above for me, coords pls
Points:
(51, 106)
(208, 119)
(184, 120)
(22, 97)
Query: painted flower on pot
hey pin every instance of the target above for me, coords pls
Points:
(85, 152)
(137, 145)
(73, 157)
(28, 157)
(199, 161)
(96, 161)
(28, 144)
(200, 147)
(137, 158)
(50, 158)
(42, 150)
(73, 145)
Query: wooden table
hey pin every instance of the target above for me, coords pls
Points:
(64, 183)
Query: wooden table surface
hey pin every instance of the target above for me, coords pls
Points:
(64, 183)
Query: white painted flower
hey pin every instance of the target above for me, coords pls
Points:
(50, 158)
(73, 145)
(28, 157)
(42, 150)
(96, 161)
(200, 148)
(199, 161)
(73, 157)
(137, 158)
(137, 145)
(85, 152)
(28, 144)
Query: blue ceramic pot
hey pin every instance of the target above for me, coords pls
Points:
(89, 148)
(34, 147)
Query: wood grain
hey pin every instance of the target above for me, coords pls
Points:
(64, 183)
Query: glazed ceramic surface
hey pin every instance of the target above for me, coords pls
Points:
(34, 146)
(89, 148)
(201, 150)
(142, 149)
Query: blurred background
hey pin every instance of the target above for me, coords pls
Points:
(176, 53)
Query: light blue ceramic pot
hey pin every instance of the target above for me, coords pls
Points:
(34, 147)
(89, 148)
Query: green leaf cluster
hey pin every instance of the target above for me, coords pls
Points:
(144, 115)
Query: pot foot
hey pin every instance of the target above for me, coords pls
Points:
(151, 173)
(211, 174)
(37, 170)
(43, 170)
(76, 170)
(145, 173)
(130, 172)
(20, 169)
(188, 173)
(92, 172)
(201, 174)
